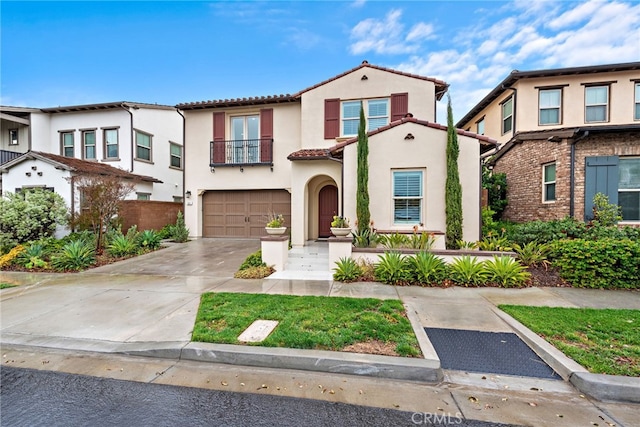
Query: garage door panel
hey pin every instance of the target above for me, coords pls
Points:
(242, 213)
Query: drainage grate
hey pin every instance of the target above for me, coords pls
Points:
(487, 352)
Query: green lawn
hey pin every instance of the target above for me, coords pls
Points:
(7, 285)
(306, 322)
(604, 341)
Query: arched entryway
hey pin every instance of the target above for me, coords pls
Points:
(327, 208)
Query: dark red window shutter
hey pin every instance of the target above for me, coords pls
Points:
(399, 105)
(331, 118)
(266, 135)
(218, 138)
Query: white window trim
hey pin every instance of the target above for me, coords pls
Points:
(422, 198)
(559, 107)
(627, 190)
(365, 106)
(636, 100)
(231, 156)
(73, 142)
(106, 143)
(84, 134)
(545, 183)
(504, 118)
(606, 104)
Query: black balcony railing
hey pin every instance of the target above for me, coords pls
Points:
(242, 152)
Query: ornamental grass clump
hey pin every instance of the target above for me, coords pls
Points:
(427, 268)
(467, 270)
(393, 268)
(346, 270)
(506, 272)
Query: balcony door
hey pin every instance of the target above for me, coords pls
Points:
(245, 133)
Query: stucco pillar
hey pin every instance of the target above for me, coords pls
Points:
(339, 247)
(275, 251)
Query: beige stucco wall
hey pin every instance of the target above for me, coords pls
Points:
(379, 84)
(389, 151)
(199, 177)
(621, 103)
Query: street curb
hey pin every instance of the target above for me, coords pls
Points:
(401, 368)
(599, 386)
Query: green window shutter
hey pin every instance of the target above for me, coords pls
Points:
(601, 176)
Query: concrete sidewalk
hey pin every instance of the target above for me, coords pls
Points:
(147, 306)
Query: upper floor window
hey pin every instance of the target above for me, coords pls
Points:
(549, 103)
(376, 112)
(66, 140)
(629, 188)
(89, 144)
(596, 103)
(507, 115)
(13, 136)
(636, 112)
(175, 155)
(549, 182)
(480, 126)
(245, 139)
(143, 196)
(407, 197)
(111, 149)
(143, 146)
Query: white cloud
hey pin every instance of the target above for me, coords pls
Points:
(358, 3)
(420, 31)
(573, 16)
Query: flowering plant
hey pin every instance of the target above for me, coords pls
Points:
(275, 220)
(340, 222)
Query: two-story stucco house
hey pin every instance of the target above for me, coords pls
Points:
(141, 139)
(565, 134)
(296, 155)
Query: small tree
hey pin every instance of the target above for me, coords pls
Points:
(453, 189)
(362, 191)
(100, 199)
(30, 215)
(496, 185)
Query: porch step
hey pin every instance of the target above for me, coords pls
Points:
(307, 264)
(302, 275)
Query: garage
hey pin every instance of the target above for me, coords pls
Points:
(242, 213)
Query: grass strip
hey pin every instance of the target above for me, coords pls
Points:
(604, 341)
(7, 285)
(306, 322)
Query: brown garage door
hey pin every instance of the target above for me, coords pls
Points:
(242, 213)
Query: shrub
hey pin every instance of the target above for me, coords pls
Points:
(33, 256)
(367, 270)
(506, 271)
(494, 243)
(605, 263)
(423, 241)
(533, 254)
(149, 239)
(121, 246)
(545, 231)
(346, 270)
(255, 272)
(393, 241)
(76, 255)
(604, 213)
(179, 232)
(30, 215)
(365, 238)
(165, 232)
(9, 258)
(467, 270)
(427, 268)
(253, 260)
(393, 268)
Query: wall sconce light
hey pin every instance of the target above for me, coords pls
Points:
(187, 194)
(28, 173)
(33, 168)
(40, 173)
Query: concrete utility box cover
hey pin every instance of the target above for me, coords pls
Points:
(258, 331)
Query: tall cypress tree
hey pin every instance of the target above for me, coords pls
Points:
(362, 191)
(453, 190)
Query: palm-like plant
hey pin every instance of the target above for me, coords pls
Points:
(506, 271)
(467, 270)
(393, 268)
(427, 268)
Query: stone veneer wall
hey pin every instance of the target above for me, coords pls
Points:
(523, 166)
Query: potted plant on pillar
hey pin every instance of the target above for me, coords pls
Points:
(275, 224)
(340, 226)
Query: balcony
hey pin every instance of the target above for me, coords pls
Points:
(242, 152)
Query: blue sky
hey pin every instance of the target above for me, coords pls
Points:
(70, 53)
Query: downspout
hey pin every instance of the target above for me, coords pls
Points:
(73, 203)
(572, 172)
(131, 131)
(184, 156)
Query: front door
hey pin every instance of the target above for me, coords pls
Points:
(327, 208)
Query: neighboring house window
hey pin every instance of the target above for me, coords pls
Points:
(636, 113)
(144, 196)
(549, 101)
(176, 155)
(89, 144)
(13, 136)
(549, 182)
(245, 136)
(480, 126)
(507, 115)
(596, 103)
(407, 197)
(143, 146)
(376, 112)
(178, 199)
(629, 188)
(67, 144)
(111, 150)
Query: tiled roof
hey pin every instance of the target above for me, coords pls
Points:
(309, 154)
(484, 140)
(235, 102)
(83, 167)
(441, 86)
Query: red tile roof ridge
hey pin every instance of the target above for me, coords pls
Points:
(263, 99)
